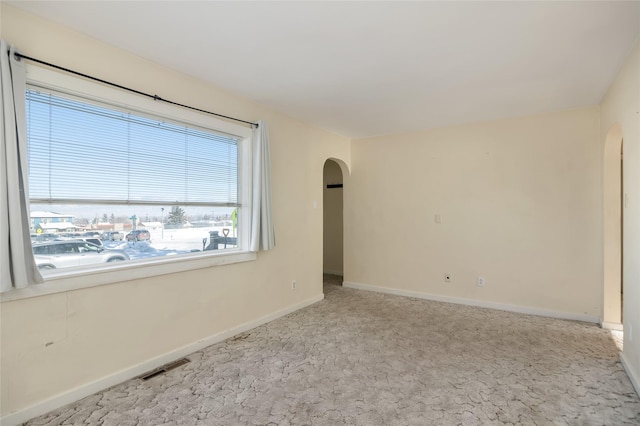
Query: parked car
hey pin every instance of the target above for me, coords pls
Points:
(139, 235)
(91, 234)
(112, 236)
(94, 241)
(43, 237)
(64, 254)
(70, 235)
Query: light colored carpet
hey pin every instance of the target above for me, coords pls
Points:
(363, 358)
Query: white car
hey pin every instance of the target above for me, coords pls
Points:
(66, 254)
(112, 236)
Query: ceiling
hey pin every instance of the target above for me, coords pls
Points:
(370, 68)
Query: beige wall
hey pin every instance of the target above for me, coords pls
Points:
(332, 212)
(53, 344)
(621, 108)
(519, 202)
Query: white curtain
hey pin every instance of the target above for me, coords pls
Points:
(17, 265)
(262, 233)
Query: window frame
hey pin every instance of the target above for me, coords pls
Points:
(43, 79)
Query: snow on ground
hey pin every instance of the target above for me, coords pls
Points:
(168, 242)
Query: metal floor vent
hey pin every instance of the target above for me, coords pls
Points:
(240, 337)
(167, 367)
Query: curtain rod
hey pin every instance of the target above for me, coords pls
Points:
(154, 97)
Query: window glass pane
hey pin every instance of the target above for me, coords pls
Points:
(108, 185)
(81, 151)
(140, 232)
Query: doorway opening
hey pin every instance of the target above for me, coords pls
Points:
(333, 234)
(613, 229)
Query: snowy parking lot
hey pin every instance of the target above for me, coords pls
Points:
(170, 242)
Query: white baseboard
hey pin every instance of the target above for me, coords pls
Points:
(633, 376)
(474, 302)
(611, 326)
(121, 376)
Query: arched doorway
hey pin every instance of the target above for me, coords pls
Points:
(333, 235)
(613, 222)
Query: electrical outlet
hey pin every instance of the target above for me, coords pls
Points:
(480, 281)
(447, 278)
(293, 285)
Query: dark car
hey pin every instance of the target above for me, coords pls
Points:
(39, 238)
(94, 241)
(139, 235)
(91, 234)
(67, 253)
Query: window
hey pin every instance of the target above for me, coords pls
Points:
(173, 188)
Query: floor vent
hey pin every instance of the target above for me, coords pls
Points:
(240, 337)
(167, 367)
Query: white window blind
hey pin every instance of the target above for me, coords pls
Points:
(83, 153)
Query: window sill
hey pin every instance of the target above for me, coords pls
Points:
(63, 281)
